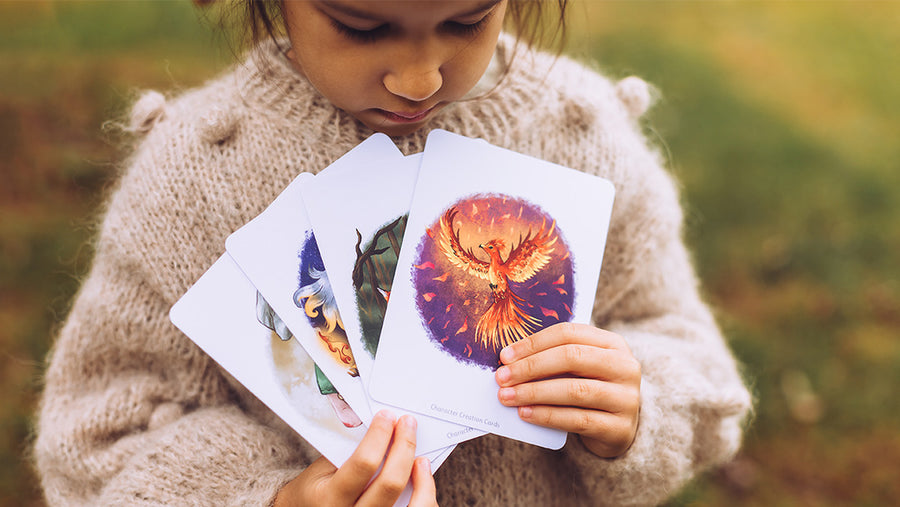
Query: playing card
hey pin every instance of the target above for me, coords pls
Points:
(498, 245)
(359, 242)
(221, 313)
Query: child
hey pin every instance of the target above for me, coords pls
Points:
(134, 413)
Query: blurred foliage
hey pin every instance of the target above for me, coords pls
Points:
(780, 119)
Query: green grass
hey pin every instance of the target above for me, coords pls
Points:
(778, 118)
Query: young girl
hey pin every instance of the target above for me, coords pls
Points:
(134, 413)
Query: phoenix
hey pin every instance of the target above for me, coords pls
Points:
(505, 321)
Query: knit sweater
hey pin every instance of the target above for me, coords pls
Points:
(133, 413)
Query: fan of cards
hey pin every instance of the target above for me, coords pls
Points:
(391, 281)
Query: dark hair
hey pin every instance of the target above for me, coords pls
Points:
(529, 19)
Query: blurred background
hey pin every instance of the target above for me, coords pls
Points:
(780, 119)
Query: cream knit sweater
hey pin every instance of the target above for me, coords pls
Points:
(133, 413)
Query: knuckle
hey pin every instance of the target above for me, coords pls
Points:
(584, 422)
(408, 440)
(616, 340)
(528, 368)
(633, 403)
(573, 354)
(525, 346)
(367, 465)
(524, 393)
(634, 368)
(566, 329)
(543, 416)
(620, 435)
(392, 486)
(579, 391)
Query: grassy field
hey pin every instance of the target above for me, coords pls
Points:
(780, 119)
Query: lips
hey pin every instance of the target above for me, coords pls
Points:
(407, 116)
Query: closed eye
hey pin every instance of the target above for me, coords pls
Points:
(465, 29)
(363, 36)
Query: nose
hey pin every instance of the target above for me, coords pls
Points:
(414, 83)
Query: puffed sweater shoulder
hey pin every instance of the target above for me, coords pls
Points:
(133, 413)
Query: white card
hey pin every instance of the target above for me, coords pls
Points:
(445, 325)
(359, 242)
(219, 313)
(282, 261)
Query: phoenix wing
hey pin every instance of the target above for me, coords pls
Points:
(448, 243)
(530, 255)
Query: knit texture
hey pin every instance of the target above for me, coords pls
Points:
(133, 413)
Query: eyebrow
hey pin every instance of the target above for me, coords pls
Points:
(361, 14)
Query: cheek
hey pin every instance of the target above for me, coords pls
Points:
(465, 71)
(343, 80)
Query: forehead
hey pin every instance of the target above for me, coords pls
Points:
(407, 11)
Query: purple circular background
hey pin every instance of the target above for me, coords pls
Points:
(450, 301)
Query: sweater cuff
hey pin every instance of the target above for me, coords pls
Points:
(655, 466)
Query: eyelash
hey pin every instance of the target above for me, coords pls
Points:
(370, 36)
(364, 36)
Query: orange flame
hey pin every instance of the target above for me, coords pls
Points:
(549, 313)
(464, 327)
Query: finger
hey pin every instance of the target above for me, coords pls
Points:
(351, 478)
(394, 475)
(611, 430)
(424, 492)
(573, 392)
(579, 360)
(561, 334)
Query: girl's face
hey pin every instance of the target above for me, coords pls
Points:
(393, 64)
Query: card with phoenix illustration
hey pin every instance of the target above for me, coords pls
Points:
(497, 246)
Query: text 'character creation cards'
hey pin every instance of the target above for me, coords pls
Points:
(360, 240)
(498, 246)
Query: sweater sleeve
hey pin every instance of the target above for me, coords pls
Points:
(693, 400)
(133, 413)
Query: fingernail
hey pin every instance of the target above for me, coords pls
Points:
(386, 415)
(408, 421)
(503, 374)
(425, 463)
(507, 354)
(525, 412)
(507, 394)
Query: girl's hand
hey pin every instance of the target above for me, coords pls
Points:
(323, 484)
(575, 378)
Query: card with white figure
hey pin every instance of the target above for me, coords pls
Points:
(498, 245)
(283, 263)
(360, 241)
(225, 315)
